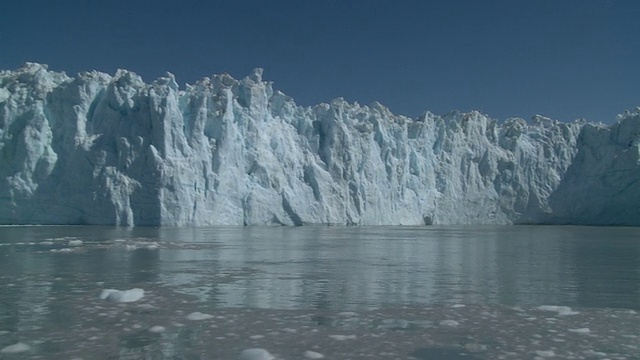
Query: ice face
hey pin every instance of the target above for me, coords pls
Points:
(101, 149)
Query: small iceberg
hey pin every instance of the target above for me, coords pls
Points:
(122, 296)
(561, 310)
(196, 316)
(449, 323)
(255, 354)
(580, 331)
(313, 355)
(342, 337)
(157, 329)
(15, 348)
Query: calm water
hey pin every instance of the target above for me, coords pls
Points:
(282, 287)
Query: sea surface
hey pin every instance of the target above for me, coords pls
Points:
(474, 292)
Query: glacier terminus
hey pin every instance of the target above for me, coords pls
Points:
(113, 150)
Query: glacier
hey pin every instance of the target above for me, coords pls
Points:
(113, 150)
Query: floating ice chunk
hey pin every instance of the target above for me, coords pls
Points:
(458, 305)
(449, 323)
(592, 353)
(256, 337)
(195, 316)
(581, 330)
(63, 250)
(46, 243)
(568, 312)
(313, 355)
(545, 353)
(342, 337)
(15, 348)
(290, 330)
(255, 354)
(146, 309)
(75, 242)
(561, 310)
(123, 296)
(348, 314)
(157, 329)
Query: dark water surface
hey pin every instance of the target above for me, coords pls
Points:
(344, 292)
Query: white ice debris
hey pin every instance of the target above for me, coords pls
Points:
(449, 323)
(101, 149)
(255, 354)
(561, 310)
(593, 353)
(122, 296)
(62, 250)
(545, 353)
(342, 337)
(348, 314)
(581, 330)
(157, 329)
(75, 242)
(313, 355)
(15, 348)
(196, 316)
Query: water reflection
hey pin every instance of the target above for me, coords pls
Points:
(321, 267)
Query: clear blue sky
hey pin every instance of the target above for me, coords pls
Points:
(559, 58)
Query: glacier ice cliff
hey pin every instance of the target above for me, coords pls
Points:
(101, 149)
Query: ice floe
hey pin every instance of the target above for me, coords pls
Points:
(313, 355)
(449, 323)
(157, 329)
(581, 330)
(196, 316)
(255, 354)
(561, 310)
(545, 353)
(15, 348)
(122, 296)
(342, 337)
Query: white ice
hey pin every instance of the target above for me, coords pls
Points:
(561, 310)
(342, 337)
(225, 151)
(255, 354)
(313, 355)
(122, 296)
(581, 330)
(196, 316)
(15, 348)
(157, 329)
(449, 323)
(545, 353)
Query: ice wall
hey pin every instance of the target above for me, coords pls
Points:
(101, 149)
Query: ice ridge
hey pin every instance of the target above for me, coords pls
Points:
(101, 149)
